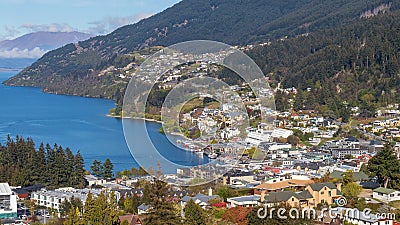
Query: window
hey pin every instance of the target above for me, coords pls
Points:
(322, 201)
(330, 193)
(292, 199)
(322, 193)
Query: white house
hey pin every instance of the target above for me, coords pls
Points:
(386, 194)
(244, 201)
(8, 202)
(354, 216)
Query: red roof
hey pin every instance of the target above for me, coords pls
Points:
(220, 205)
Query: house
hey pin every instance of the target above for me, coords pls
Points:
(357, 176)
(8, 202)
(280, 184)
(93, 180)
(293, 199)
(24, 192)
(200, 199)
(132, 219)
(386, 194)
(244, 201)
(53, 198)
(354, 216)
(324, 193)
(143, 209)
(375, 146)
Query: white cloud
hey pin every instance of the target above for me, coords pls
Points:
(109, 24)
(54, 27)
(22, 53)
(9, 32)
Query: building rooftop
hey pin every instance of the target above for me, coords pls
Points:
(5, 189)
(384, 190)
(320, 186)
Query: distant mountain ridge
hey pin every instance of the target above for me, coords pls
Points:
(24, 50)
(74, 68)
(44, 40)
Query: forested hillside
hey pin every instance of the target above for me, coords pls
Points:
(358, 63)
(74, 69)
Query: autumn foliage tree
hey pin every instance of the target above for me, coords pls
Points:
(237, 215)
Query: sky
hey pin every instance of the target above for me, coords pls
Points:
(18, 17)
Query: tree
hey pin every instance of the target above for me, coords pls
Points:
(351, 192)
(74, 217)
(162, 212)
(385, 166)
(194, 214)
(77, 175)
(89, 209)
(293, 140)
(225, 192)
(96, 168)
(348, 177)
(237, 215)
(108, 168)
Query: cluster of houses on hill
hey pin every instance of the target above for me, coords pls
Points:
(271, 187)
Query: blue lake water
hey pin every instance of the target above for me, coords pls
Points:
(78, 123)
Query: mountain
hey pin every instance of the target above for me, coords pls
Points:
(74, 69)
(44, 40)
(23, 51)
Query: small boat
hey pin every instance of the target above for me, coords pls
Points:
(213, 156)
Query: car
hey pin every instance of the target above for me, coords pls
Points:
(19, 222)
(23, 217)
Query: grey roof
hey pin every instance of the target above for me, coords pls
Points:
(143, 207)
(246, 198)
(305, 194)
(355, 214)
(199, 196)
(319, 186)
(281, 196)
(357, 176)
(350, 138)
(5, 189)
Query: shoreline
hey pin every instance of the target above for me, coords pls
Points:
(134, 118)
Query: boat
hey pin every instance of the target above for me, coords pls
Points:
(213, 156)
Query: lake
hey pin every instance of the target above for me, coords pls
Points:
(79, 123)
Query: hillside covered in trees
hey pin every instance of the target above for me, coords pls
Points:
(74, 68)
(358, 63)
(21, 164)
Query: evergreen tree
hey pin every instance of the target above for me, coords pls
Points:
(78, 171)
(385, 166)
(96, 168)
(89, 209)
(194, 214)
(73, 217)
(162, 212)
(108, 168)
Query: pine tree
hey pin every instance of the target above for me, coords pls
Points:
(96, 168)
(78, 171)
(162, 212)
(194, 214)
(89, 209)
(385, 166)
(108, 168)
